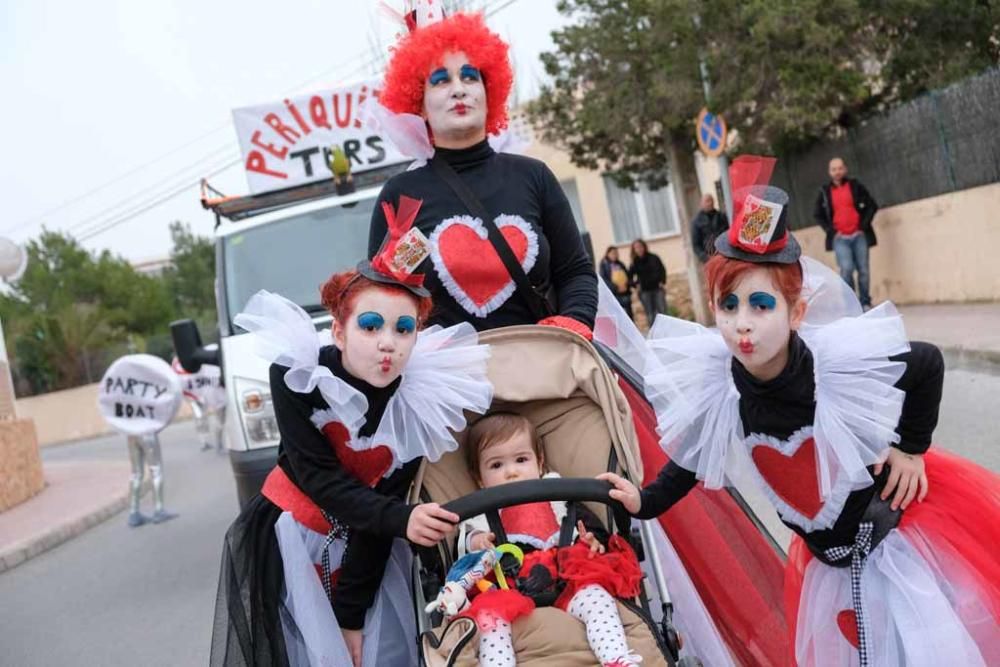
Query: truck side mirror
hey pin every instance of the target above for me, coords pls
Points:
(187, 343)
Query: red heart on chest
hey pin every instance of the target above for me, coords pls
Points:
(368, 465)
(793, 477)
(847, 621)
(470, 267)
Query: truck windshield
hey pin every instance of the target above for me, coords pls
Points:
(295, 255)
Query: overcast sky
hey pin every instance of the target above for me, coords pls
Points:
(96, 93)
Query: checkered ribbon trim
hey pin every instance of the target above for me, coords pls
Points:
(859, 553)
(338, 530)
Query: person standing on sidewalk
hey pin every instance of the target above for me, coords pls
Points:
(648, 272)
(845, 209)
(709, 223)
(614, 273)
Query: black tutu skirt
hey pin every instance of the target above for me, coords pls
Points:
(247, 628)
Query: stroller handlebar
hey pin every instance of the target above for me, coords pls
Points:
(581, 489)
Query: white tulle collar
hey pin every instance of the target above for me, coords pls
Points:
(445, 376)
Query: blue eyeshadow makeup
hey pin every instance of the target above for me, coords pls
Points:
(470, 72)
(763, 300)
(406, 324)
(370, 321)
(731, 302)
(440, 75)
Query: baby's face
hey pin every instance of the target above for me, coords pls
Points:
(512, 460)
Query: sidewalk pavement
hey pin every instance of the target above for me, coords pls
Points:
(79, 495)
(967, 333)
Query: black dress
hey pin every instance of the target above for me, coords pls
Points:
(248, 625)
(464, 274)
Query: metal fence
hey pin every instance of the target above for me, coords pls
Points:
(943, 141)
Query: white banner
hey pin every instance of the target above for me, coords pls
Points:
(289, 143)
(139, 394)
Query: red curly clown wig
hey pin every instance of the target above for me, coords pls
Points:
(422, 50)
(340, 294)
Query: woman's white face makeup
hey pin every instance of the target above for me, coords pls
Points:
(378, 336)
(455, 102)
(756, 323)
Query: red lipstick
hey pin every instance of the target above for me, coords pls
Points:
(460, 109)
(746, 347)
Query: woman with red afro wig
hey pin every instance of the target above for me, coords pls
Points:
(481, 214)
(420, 51)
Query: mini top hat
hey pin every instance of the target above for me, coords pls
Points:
(759, 232)
(402, 251)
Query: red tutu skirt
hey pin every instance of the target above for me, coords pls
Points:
(931, 588)
(616, 571)
(498, 604)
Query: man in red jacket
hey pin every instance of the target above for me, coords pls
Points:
(845, 210)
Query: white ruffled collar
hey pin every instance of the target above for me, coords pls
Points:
(445, 376)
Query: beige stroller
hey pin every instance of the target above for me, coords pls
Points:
(558, 381)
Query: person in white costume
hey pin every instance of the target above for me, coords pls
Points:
(316, 569)
(832, 411)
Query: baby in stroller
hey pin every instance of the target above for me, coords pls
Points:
(569, 417)
(502, 448)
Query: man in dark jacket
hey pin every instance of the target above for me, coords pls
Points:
(708, 224)
(845, 210)
(648, 273)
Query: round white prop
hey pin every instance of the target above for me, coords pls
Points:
(13, 260)
(139, 394)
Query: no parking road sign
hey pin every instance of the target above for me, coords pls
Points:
(711, 133)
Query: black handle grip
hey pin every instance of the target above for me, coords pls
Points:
(581, 489)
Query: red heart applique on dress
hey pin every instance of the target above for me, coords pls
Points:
(367, 465)
(847, 621)
(469, 266)
(793, 477)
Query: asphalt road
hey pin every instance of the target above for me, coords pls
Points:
(120, 596)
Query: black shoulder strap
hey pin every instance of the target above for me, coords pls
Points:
(536, 302)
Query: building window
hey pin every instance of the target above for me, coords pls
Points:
(641, 213)
(573, 195)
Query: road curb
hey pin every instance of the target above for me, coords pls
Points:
(971, 359)
(25, 550)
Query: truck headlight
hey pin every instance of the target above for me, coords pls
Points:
(254, 402)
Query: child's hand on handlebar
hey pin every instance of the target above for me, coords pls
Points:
(624, 492)
(429, 523)
(480, 541)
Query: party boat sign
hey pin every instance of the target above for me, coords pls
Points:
(291, 142)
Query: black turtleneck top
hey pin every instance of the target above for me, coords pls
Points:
(505, 184)
(785, 404)
(374, 515)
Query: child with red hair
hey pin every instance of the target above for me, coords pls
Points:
(316, 568)
(894, 561)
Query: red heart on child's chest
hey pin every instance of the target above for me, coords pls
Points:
(368, 465)
(793, 478)
(847, 621)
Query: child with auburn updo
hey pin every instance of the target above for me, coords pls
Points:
(316, 568)
(502, 448)
(832, 412)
